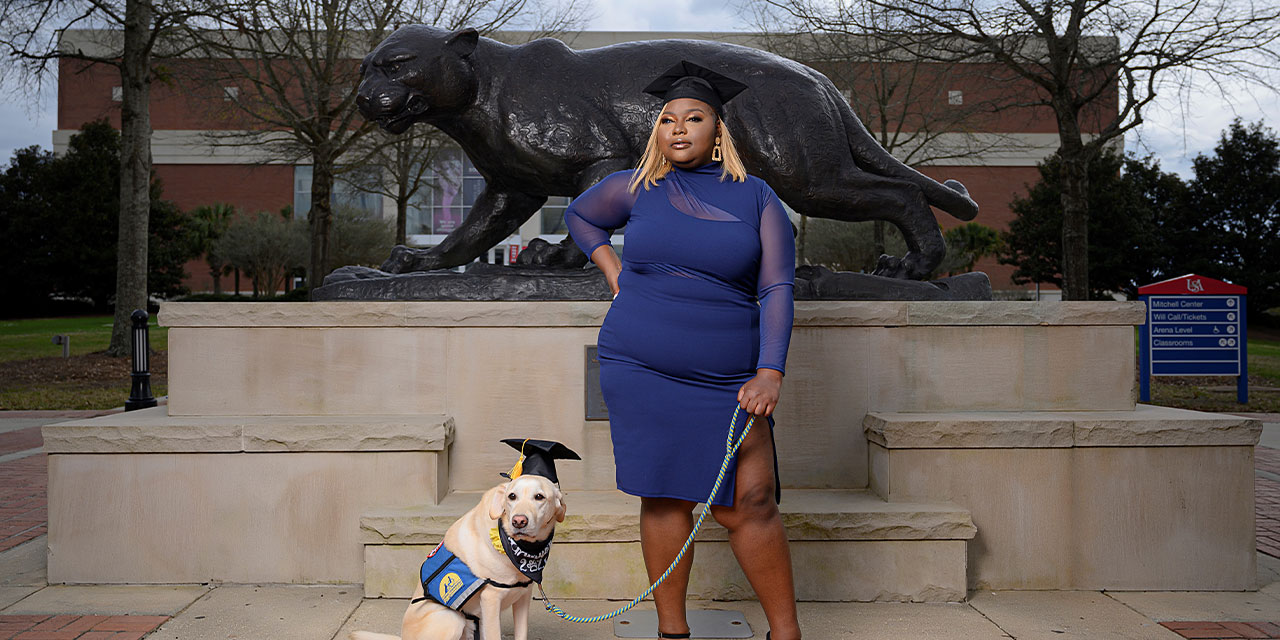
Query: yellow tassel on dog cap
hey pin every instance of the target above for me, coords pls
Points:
(538, 458)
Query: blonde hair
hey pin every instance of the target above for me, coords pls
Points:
(654, 166)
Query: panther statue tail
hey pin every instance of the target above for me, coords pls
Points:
(950, 196)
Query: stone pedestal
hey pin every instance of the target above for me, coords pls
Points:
(333, 442)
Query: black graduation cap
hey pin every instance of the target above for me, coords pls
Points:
(538, 458)
(689, 80)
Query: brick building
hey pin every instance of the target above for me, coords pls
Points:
(991, 147)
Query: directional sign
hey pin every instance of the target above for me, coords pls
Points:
(1195, 327)
(1194, 335)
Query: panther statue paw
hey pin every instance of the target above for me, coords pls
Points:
(909, 267)
(541, 253)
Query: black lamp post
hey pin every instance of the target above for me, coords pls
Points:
(140, 395)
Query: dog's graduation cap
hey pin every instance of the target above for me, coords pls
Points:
(538, 458)
(689, 80)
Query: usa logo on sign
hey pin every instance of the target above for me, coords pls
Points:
(1195, 286)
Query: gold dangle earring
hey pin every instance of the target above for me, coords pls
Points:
(715, 153)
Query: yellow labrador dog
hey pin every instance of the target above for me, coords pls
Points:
(527, 510)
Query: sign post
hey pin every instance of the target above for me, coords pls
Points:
(1195, 327)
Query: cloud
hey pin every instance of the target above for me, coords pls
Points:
(22, 124)
(1178, 126)
(669, 15)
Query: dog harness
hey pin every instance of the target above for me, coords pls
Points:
(448, 580)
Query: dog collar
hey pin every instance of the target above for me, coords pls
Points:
(528, 557)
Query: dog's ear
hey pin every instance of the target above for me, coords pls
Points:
(497, 502)
(561, 507)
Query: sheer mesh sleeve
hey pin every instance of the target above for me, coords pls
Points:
(593, 216)
(775, 286)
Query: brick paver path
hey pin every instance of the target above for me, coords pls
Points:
(1267, 496)
(24, 482)
(23, 509)
(21, 440)
(1224, 629)
(78, 627)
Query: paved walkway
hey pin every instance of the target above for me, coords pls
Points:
(32, 610)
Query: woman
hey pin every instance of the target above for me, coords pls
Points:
(700, 324)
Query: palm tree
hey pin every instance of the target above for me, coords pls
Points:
(210, 222)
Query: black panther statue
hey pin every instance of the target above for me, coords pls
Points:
(541, 119)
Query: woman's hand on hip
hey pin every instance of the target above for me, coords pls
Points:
(759, 395)
(607, 260)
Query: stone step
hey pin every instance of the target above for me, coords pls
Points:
(845, 545)
(1083, 499)
(146, 497)
(1145, 426)
(155, 431)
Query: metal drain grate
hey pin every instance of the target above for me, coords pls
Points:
(705, 623)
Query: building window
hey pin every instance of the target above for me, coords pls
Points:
(344, 196)
(955, 97)
(553, 215)
(450, 187)
(230, 94)
(117, 94)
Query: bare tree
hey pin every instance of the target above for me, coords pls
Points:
(1094, 64)
(394, 166)
(127, 35)
(295, 64)
(902, 99)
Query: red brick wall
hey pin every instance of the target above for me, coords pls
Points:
(183, 98)
(993, 188)
(250, 189)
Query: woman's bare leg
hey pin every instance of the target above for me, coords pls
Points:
(665, 524)
(756, 534)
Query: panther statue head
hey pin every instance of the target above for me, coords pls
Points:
(418, 74)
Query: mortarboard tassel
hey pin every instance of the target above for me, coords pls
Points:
(518, 469)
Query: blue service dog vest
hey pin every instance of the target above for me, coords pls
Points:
(448, 580)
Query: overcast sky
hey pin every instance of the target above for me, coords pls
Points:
(1175, 130)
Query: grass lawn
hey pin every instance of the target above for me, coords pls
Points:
(34, 375)
(1218, 393)
(26, 339)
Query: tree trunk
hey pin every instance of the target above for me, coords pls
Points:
(321, 217)
(1075, 226)
(801, 239)
(402, 212)
(135, 173)
(1075, 158)
(217, 282)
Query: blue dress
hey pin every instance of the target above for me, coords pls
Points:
(705, 298)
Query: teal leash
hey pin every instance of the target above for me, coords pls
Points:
(731, 449)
